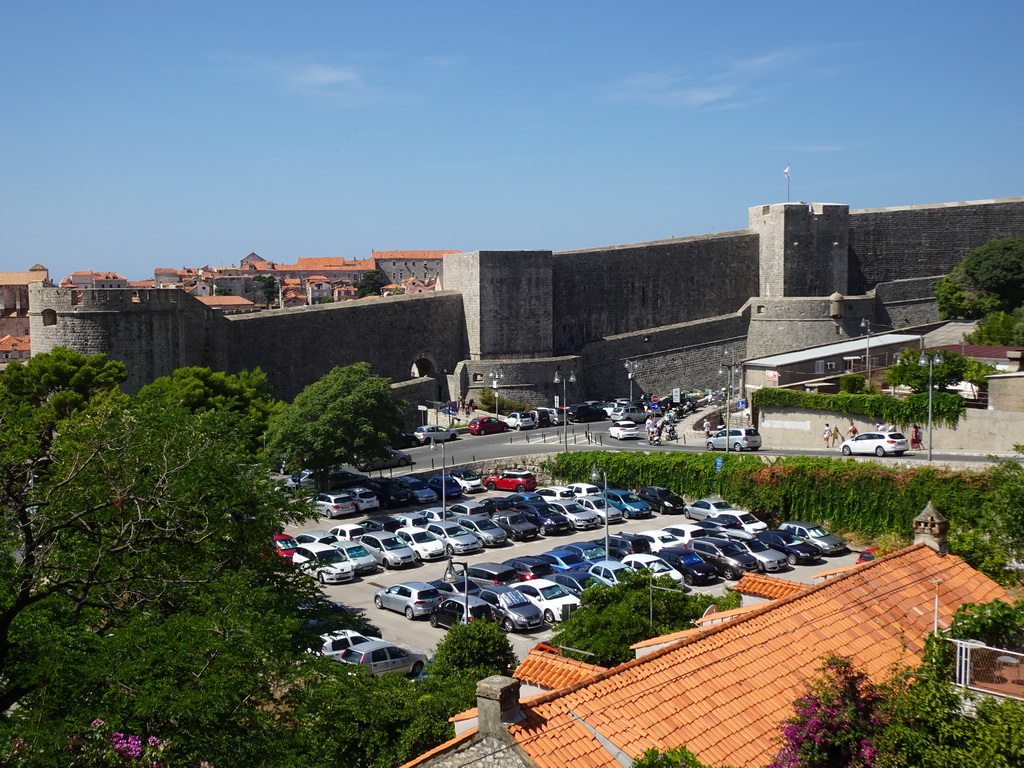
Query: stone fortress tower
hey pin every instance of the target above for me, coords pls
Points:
(799, 275)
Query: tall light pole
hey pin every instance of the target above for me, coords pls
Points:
(444, 471)
(449, 578)
(865, 323)
(630, 366)
(495, 378)
(603, 477)
(931, 361)
(565, 402)
(733, 370)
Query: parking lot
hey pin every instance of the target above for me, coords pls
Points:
(420, 636)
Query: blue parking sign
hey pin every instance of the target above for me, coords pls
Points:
(718, 463)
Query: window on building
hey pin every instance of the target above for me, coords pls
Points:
(819, 366)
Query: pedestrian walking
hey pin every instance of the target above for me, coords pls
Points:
(915, 438)
(707, 429)
(852, 431)
(835, 435)
(827, 434)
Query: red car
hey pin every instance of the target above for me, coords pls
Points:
(511, 480)
(284, 545)
(487, 425)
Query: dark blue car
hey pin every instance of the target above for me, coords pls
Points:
(564, 561)
(545, 517)
(689, 563)
(452, 489)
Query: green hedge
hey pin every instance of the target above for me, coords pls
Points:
(946, 408)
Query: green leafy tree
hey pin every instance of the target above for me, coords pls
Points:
(347, 416)
(989, 279)
(953, 369)
(268, 292)
(672, 758)
(478, 649)
(999, 329)
(610, 619)
(218, 291)
(370, 283)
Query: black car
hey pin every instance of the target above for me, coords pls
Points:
(546, 517)
(717, 523)
(583, 412)
(457, 587)
(661, 499)
(690, 564)
(516, 526)
(573, 581)
(796, 550)
(450, 612)
(405, 440)
(390, 493)
(340, 479)
(378, 524)
(530, 567)
(729, 558)
(623, 543)
(497, 505)
(484, 574)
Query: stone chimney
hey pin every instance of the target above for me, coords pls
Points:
(930, 528)
(1013, 359)
(497, 703)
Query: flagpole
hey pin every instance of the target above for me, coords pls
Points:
(785, 173)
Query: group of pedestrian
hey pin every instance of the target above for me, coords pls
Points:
(832, 435)
(462, 405)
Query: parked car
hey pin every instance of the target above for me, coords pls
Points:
(340, 480)
(315, 537)
(554, 416)
(516, 526)
(828, 543)
(431, 433)
(451, 610)
(365, 498)
(548, 519)
(516, 612)
(796, 550)
(333, 644)
(420, 491)
(661, 499)
(497, 504)
(456, 539)
(520, 420)
(744, 520)
(511, 480)
(708, 507)
(485, 574)
(878, 443)
(528, 567)
(624, 430)
(623, 543)
(562, 560)
(608, 572)
(729, 559)
(689, 563)
(579, 517)
(660, 539)
(422, 542)
(727, 522)
(455, 588)
(323, 562)
(530, 497)
(588, 550)
(556, 493)
(471, 508)
(584, 412)
(405, 440)
(356, 553)
(413, 598)
(413, 520)
(393, 458)
(738, 439)
(768, 560)
(445, 486)
(686, 532)
(634, 414)
(654, 564)
(489, 533)
(580, 490)
(468, 479)
(284, 545)
(487, 425)
(380, 524)
(388, 550)
(333, 505)
(380, 657)
(390, 493)
(348, 532)
(596, 505)
(574, 582)
(552, 598)
(629, 504)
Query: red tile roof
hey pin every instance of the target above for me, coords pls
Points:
(550, 670)
(10, 343)
(768, 587)
(723, 690)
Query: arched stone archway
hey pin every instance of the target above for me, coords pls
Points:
(422, 367)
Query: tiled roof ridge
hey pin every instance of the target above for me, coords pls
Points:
(536, 666)
(713, 629)
(762, 585)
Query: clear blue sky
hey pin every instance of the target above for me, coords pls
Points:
(140, 134)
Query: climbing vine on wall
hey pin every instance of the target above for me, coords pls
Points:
(947, 408)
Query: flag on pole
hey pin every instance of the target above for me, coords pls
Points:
(785, 172)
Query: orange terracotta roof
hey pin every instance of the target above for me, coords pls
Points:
(20, 278)
(666, 639)
(141, 283)
(823, 575)
(720, 616)
(410, 254)
(314, 278)
(723, 690)
(10, 343)
(225, 301)
(769, 587)
(550, 670)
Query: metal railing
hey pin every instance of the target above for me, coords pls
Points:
(994, 671)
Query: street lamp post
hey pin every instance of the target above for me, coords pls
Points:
(565, 403)
(931, 361)
(733, 370)
(450, 577)
(630, 366)
(444, 469)
(603, 477)
(496, 377)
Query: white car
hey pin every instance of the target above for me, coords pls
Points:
(654, 564)
(438, 515)
(520, 420)
(878, 443)
(388, 550)
(624, 430)
(599, 508)
(456, 539)
(579, 490)
(747, 521)
(336, 643)
(468, 480)
(661, 539)
(551, 598)
(335, 504)
(582, 519)
(556, 493)
(348, 532)
(365, 498)
(422, 542)
(687, 532)
(412, 520)
(324, 562)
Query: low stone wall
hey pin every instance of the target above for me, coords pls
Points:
(979, 432)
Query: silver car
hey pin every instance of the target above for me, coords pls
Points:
(335, 504)
(828, 543)
(356, 553)
(413, 598)
(380, 657)
(387, 549)
(768, 559)
(420, 491)
(599, 508)
(737, 439)
(486, 530)
(709, 507)
(456, 539)
(392, 459)
(581, 518)
(431, 433)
